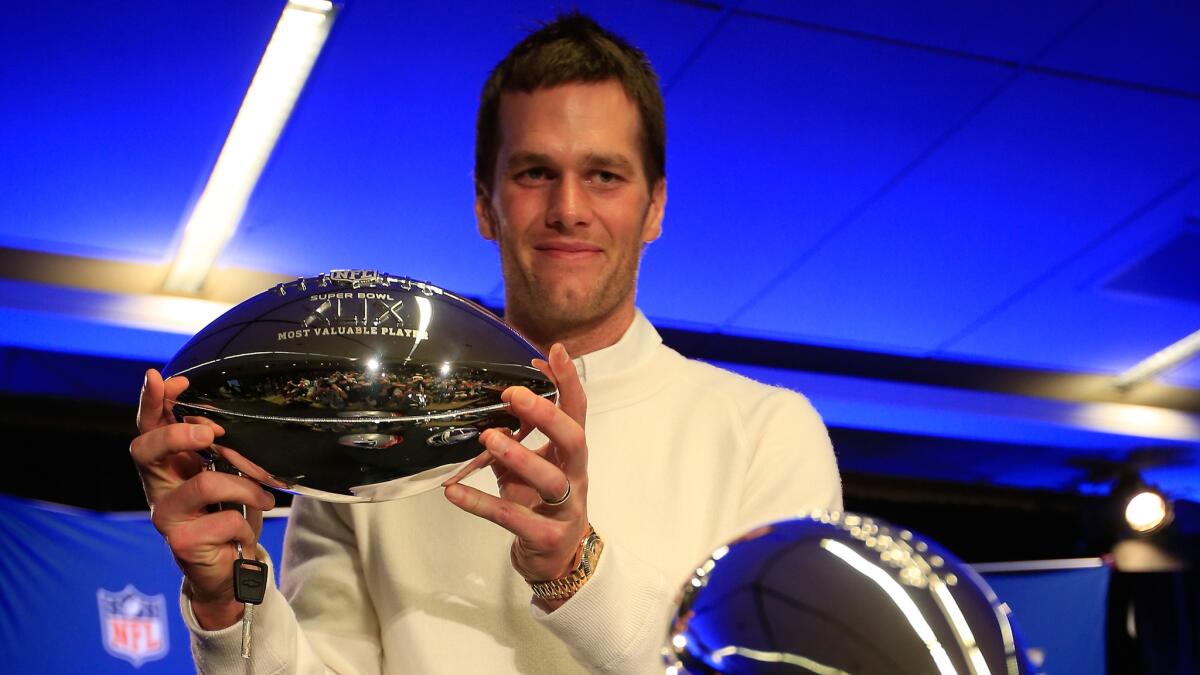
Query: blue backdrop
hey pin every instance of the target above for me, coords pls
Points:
(1061, 615)
(89, 592)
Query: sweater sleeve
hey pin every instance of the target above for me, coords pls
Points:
(321, 620)
(616, 622)
(792, 464)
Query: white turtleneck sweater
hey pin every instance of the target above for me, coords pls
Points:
(682, 457)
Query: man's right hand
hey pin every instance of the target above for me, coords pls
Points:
(179, 491)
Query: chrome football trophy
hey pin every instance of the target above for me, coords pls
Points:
(839, 593)
(354, 386)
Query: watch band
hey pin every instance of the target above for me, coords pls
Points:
(564, 587)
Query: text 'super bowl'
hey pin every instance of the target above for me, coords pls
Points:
(354, 386)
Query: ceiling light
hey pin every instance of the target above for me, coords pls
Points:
(286, 63)
(1147, 511)
(1163, 360)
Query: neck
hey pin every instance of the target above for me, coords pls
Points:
(578, 340)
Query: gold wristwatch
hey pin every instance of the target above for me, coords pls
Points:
(565, 587)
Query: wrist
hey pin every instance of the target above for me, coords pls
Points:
(551, 594)
(213, 612)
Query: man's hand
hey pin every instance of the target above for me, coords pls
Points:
(547, 537)
(178, 490)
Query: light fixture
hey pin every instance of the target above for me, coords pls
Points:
(1144, 508)
(1147, 511)
(282, 72)
(1165, 359)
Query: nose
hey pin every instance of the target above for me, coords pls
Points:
(570, 204)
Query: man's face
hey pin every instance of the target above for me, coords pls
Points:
(569, 207)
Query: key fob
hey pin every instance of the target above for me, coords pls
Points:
(249, 581)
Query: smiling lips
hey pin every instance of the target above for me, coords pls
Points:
(568, 250)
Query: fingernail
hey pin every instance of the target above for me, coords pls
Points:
(497, 447)
(454, 493)
(199, 433)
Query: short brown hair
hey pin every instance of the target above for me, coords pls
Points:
(572, 48)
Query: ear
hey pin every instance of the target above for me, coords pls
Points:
(485, 216)
(652, 228)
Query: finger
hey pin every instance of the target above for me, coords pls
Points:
(218, 430)
(563, 430)
(485, 458)
(516, 518)
(525, 428)
(481, 460)
(173, 388)
(191, 539)
(246, 467)
(153, 446)
(150, 407)
(544, 366)
(547, 480)
(570, 390)
(207, 488)
(524, 431)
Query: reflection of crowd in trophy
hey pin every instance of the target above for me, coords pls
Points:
(416, 388)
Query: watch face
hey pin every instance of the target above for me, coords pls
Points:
(591, 553)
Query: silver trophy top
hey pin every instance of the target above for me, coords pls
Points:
(354, 385)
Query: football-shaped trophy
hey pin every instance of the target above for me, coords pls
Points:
(839, 593)
(354, 386)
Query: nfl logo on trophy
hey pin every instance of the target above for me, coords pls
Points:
(134, 625)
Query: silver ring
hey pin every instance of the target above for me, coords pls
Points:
(561, 500)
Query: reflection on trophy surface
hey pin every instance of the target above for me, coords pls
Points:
(354, 386)
(839, 593)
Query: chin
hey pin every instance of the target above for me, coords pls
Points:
(569, 312)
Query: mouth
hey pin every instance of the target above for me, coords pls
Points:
(568, 250)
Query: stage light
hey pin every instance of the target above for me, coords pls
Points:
(285, 65)
(1147, 511)
(1167, 358)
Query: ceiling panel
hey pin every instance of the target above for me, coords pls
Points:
(1010, 30)
(113, 114)
(1153, 42)
(1047, 168)
(1072, 321)
(375, 167)
(776, 135)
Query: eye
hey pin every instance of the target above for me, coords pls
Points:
(604, 178)
(534, 174)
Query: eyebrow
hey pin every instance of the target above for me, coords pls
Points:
(609, 161)
(617, 161)
(524, 158)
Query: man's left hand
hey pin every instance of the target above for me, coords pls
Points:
(546, 538)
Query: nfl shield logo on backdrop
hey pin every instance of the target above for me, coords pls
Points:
(134, 625)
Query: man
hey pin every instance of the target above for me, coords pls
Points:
(563, 559)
